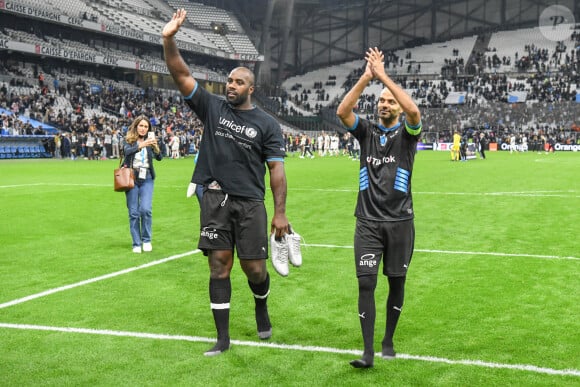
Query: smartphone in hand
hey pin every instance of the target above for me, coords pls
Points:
(151, 135)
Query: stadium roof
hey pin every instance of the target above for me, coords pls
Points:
(309, 34)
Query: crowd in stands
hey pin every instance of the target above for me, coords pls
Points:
(91, 124)
(547, 112)
(95, 137)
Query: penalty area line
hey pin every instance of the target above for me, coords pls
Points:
(96, 279)
(292, 347)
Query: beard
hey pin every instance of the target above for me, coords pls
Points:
(386, 116)
(237, 99)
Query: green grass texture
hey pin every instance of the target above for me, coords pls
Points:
(492, 295)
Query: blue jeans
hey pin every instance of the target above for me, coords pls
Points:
(140, 204)
(199, 192)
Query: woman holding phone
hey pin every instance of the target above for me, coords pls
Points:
(139, 150)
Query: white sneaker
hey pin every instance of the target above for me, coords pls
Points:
(294, 253)
(137, 249)
(279, 250)
(147, 247)
(191, 189)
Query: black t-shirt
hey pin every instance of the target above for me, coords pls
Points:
(235, 145)
(386, 166)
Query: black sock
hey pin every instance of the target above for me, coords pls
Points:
(220, 292)
(261, 292)
(367, 313)
(394, 308)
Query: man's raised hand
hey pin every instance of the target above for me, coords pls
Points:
(175, 23)
(376, 60)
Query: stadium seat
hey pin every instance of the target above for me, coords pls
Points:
(35, 150)
(42, 152)
(27, 152)
(8, 152)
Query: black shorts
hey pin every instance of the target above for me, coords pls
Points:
(394, 241)
(232, 222)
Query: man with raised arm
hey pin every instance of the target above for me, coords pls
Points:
(384, 226)
(239, 141)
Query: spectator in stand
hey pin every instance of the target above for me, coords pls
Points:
(481, 145)
(115, 140)
(551, 145)
(108, 143)
(65, 146)
(463, 148)
(306, 145)
(57, 144)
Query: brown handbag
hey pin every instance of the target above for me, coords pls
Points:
(124, 179)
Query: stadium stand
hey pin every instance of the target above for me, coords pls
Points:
(205, 17)
(497, 82)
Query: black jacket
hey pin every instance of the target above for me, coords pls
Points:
(130, 150)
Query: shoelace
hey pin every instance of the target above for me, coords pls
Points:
(295, 236)
(282, 250)
(294, 240)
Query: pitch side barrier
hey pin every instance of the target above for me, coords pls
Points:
(557, 147)
(566, 147)
(446, 147)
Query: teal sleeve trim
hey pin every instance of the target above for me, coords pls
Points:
(355, 123)
(192, 92)
(275, 159)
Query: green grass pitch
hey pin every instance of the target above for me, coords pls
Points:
(492, 297)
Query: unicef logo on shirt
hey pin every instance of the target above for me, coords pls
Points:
(251, 132)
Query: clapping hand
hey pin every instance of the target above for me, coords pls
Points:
(375, 61)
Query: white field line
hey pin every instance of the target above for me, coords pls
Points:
(292, 347)
(96, 279)
(158, 262)
(559, 194)
(462, 252)
(54, 185)
(529, 368)
(547, 194)
(565, 194)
